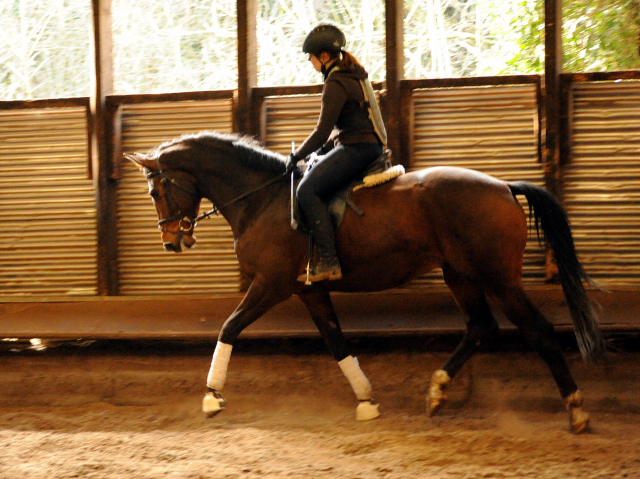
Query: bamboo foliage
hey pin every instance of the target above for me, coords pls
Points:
(602, 35)
(44, 49)
(453, 38)
(178, 45)
(174, 45)
(283, 25)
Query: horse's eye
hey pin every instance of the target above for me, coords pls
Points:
(154, 195)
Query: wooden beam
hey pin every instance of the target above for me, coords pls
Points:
(168, 97)
(601, 76)
(552, 104)
(261, 92)
(383, 314)
(394, 13)
(551, 94)
(470, 81)
(115, 113)
(566, 120)
(105, 187)
(247, 66)
(47, 103)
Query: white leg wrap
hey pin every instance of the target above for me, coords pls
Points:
(359, 382)
(219, 363)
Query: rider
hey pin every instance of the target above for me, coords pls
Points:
(348, 137)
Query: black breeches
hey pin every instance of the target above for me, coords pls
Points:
(331, 172)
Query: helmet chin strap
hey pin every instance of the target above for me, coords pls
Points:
(323, 68)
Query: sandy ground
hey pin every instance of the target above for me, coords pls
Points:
(134, 412)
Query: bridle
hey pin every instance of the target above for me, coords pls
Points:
(191, 223)
(167, 181)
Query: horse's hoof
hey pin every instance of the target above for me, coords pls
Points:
(213, 403)
(367, 410)
(578, 419)
(434, 406)
(437, 397)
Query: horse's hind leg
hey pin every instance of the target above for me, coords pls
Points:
(481, 326)
(539, 332)
(319, 304)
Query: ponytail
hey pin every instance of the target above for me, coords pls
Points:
(349, 61)
(346, 62)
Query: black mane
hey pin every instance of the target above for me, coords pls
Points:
(247, 151)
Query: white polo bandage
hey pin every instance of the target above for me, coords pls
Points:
(359, 382)
(219, 364)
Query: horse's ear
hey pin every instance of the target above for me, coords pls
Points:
(140, 160)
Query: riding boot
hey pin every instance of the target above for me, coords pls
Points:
(328, 266)
(325, 268)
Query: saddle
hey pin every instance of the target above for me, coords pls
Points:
(379, 172)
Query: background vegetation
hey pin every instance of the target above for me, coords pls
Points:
(177, 45)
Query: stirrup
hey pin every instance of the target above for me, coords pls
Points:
(323, 270)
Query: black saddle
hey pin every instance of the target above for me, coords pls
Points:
(338, 202)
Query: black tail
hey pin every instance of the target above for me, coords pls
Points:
(552, 218)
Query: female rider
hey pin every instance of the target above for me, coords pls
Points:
(348, 137)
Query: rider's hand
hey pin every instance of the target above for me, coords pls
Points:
(292, 162)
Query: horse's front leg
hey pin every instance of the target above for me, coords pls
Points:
(319, 304)
(261, 296)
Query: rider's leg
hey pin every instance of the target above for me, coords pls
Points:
(332, 171)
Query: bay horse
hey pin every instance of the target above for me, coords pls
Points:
(467, 223)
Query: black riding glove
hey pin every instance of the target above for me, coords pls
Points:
(292, 162)
(321, 151)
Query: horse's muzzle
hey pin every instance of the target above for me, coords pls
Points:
(172, 247)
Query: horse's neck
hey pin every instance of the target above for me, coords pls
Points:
(228, 196)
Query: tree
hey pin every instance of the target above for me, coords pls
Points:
(44, 48)
(601, 35)
(174, 45)
(179, 45)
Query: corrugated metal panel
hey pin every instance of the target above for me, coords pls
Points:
(47, 204)
(491, 129)
(602, 182)
(289, 118)
(145, 268)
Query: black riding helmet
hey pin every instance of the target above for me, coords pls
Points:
(324, 38)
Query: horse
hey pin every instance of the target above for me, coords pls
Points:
(467, 223)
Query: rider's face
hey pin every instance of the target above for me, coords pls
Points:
(315, 61)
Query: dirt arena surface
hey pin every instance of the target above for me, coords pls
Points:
(131, 410)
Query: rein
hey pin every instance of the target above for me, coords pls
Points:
(193, 222)
(242, 196)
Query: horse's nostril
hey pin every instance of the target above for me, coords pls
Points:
(172, 247)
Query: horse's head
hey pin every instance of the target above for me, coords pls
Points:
(175, 195)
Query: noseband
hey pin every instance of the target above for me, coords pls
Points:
(166, 181)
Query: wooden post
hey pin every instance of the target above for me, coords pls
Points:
(551, 93)
(394, 12)
(105, 188)
(551, 108)
(247, 67)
